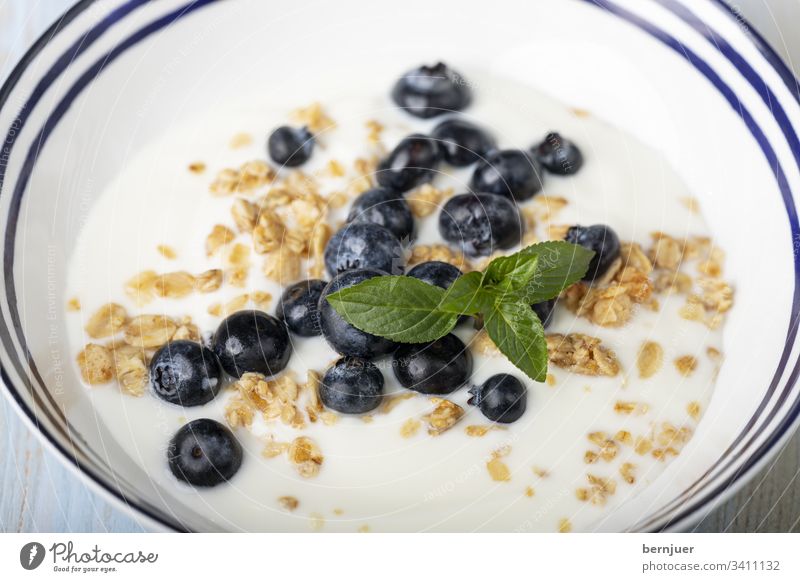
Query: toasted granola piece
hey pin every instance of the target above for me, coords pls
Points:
(225, 183)
(282, 266)
(254, 174)
(480, 430)
(693, 410)
(628, 470)
(686, 365)
(628, 407)
(288, 503)
(650, 359)
(219, 237)
(374, 130)
(314, 405)
(667, 252)
(245, 214)
(319, 239)
(241, 140)
(141, 288)
(167, 252)
(717, 294)
(174, 285)
(130, 368)
(237, 276)
(610, 300)
(238, 413)
(666, 281)
(544, 209)
(438, 252)
(601, 488)
(426, 199)
(273, 448)
(106, 321)
(483, 344)
(74, 304)
(96, 364)
(582, 354)
(498, 470)
(208, 281)
(643, 445)
(564, 525)
(364, 179)
(268, 232)
(410, 428)
(329, 418)
(306, 456)
(444, 416)
(150, 331)
(197, 167)
(391, 401)
(314, 118)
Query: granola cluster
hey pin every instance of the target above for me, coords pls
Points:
(443, 417)
(133, 341)
(581, 354)
(610, 300)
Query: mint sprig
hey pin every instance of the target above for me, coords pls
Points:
(407, 310)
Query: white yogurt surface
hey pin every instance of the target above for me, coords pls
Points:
(372, 475)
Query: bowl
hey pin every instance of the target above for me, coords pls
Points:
(691, 79)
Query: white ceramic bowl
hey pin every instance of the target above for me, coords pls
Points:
(690, 78)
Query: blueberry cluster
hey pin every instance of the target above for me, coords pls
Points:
(370, 244)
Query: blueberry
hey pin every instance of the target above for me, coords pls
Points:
(186, 373)
(511, 173)
(440, 274)
(352, 386)
(462, 143)
(252, 341)
(411, 163)
(545, 310)
(385, 208)
(364, 245)
(558, 155)
(430, 91)
(343, 337)
(204, 453)
(480, 223)
(298, 307)
(502, 398)
(436, 273)
(600, 239)
(290, 146)
(437, 367)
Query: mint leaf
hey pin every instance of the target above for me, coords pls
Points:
(511, 273)
(518, 334)
(467, 296)
(399, 308)
(559, 265)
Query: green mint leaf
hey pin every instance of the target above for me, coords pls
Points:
(467, 295)
(512, 273)
(559, 265)
(399, 308)
(518, 334)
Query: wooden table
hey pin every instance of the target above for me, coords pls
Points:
(39, 494)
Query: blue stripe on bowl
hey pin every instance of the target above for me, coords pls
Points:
(608, 6)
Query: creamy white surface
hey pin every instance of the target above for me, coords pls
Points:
(370, 473)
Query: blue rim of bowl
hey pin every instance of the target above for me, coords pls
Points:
(677, 9)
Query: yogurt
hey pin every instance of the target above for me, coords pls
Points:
(373, 477)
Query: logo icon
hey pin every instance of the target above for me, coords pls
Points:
(31, 555)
